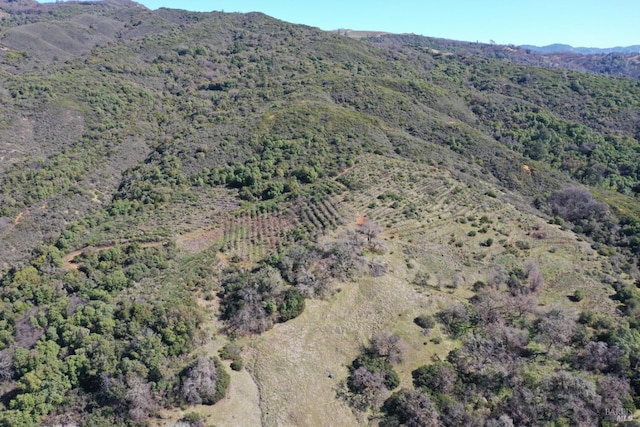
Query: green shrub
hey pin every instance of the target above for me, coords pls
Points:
(485, 220)
(487, 243)
(477, 285)
(232, 351)
(421, 278)
(223, 381)
(378, 364)
(578, 295)
(292, 305)
(193, 419)
(425, 321)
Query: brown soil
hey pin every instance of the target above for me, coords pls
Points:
(18, 218)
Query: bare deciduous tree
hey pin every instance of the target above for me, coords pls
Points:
(421, 279)
(616, 394)
(456, 281)
(371, 230)
(488, 306)
(454, 318)
(370, 385)
(568, 395)
(6, 365)
(523, 405)
(140, 401)
(199, 385)
(413, 408)
(599, 357)
(555, 327)
(345, 257)
(439, 377)
(389, 346)
(575, 204)
(503, 421)
(534, 276)
(296, 259)
(377, 267)
(511, 339)
(269, 281)
(498, 277)
(251, 317)
(520, 304)
(307, 283)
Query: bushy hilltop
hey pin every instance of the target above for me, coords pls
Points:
(620, 62)
(195, 205)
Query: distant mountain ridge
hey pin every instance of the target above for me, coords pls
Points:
(558, 47)
(617, 64)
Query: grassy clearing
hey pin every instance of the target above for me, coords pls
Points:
(295, 371)
(299, 365)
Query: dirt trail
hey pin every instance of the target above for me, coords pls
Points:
(343, 172)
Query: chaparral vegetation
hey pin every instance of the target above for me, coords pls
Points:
(209, 217)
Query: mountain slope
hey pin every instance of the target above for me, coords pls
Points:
(179, 185)
(554, 48)
(620, 64)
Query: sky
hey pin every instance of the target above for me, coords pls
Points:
(580, 23)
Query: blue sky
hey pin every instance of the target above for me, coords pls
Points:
(589, 23)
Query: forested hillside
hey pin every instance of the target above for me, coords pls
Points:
(207, 217)
(612, 62)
